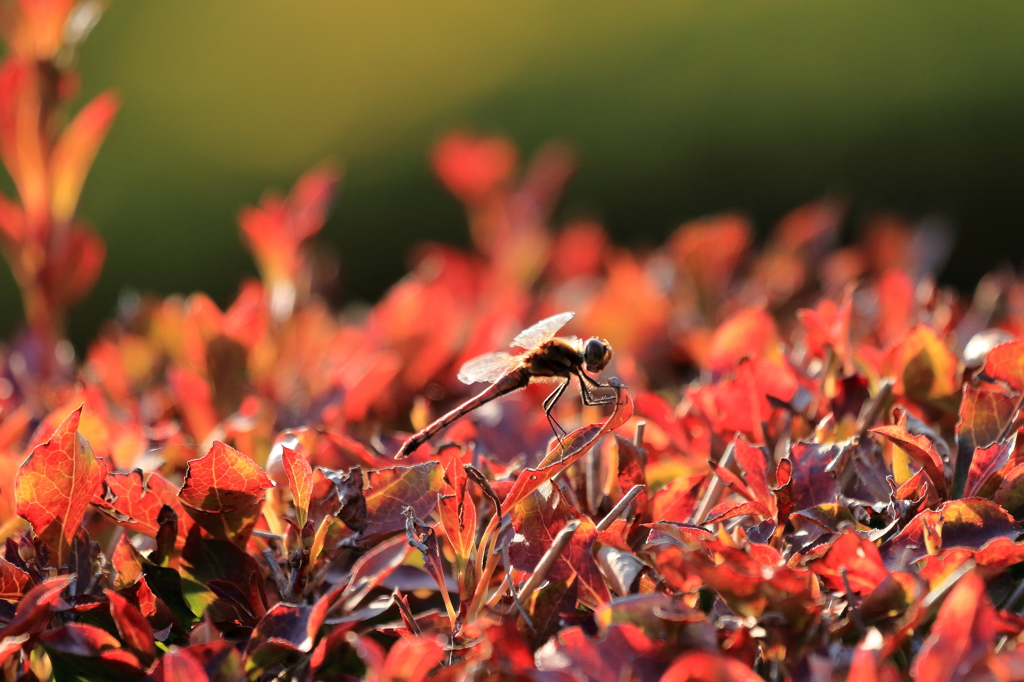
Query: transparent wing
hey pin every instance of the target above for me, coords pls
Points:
(488, 368)
(544, 330)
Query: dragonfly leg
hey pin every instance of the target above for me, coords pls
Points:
(549, 406)
(587, 383)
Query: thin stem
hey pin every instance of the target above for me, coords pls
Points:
(714, 490)
(547, 561)
(620, 506)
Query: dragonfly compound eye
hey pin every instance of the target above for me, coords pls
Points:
(596, 354)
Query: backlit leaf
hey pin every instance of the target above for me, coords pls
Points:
(75, 151)
(969, 523)
(132, 626)
(222, 480)
(393, 489)
(13, 580)
(962, 635)
(54, 486)
(300, 480)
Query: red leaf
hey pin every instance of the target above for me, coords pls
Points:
(393, 489)
(620, 653)
(754, 462)
(920, 450)
(179, 665)
(133, 627)
(10, 646)
(12, 580)
(222, 480)
(136, 504)
(195, 400)
(34, 610)
(678, 500)
(895, 304)
(75, 644)
(74, 265)
(811, 484)
(986, 462)
(865, 664)
(984, 415)
(223, 493)
(284, 625)
(704, 666)
(537, 520)
(751, 580)
(216, 561)
(630, 472)
(373, 567)
(969, 523)
(324, 500)
(456, 509)
(858, 557)
(274, 232)
(1010, 493)
(924, 367)
(751, 333)
(710, 249)
(962, 636)
(54, 486)
(127, 561)
(1003, 363)
(473, 167)
(411, 659)
(563, 456)
(300, 480)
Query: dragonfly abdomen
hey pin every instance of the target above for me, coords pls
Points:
(513, 381)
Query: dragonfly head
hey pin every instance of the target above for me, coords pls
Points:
(596, 354)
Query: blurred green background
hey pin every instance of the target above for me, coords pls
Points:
(676, 108)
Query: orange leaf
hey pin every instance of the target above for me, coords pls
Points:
(394, 488)
(135, 504)
(1003, 363)
(222, 480)
(924, 367)
(858, 557)
(12, 581)
(919, 449)
(704, 666)
(54, 486)
(133, 627)
(751, 333)
(300, 480)
(75, 152)
(962, 635)
(563, 456)
(472, 167)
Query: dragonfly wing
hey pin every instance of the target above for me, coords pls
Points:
(488, 368)
(541, 332)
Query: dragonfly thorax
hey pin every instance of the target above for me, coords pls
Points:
(596, 354)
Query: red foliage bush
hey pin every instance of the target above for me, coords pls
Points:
(809, 470)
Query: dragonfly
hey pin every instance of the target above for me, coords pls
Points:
(546, 357)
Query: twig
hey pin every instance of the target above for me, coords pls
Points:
(277, 574)
(855, 616)
(947, 584)
(1014, 597)
(414, 627)
(515, 598)
(620, 506)
(548, 560)
(714, 489)
(875, 408)
(638, 437)
(593, 475)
